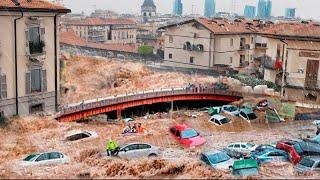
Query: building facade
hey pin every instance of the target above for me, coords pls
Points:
(148, 9)
(264, 9)
(209, 8)
(177, 8)
(290, 13)
(250, 12)
(100, 30)
(29, 64)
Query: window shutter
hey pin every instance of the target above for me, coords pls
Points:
(44, 80)
(3, 87)
(28, 83)
(27, 42)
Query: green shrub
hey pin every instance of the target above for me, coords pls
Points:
(145, 50)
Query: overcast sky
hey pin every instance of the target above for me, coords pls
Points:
(305, 8)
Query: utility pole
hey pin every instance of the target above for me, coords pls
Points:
(284, 67)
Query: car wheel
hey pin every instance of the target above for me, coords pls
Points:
(152, 155)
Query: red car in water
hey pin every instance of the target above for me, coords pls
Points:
(298, 149)
(187, 136)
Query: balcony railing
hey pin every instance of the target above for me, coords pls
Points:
(261, 45)
(244, 46)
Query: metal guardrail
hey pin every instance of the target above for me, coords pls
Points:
(128, 97)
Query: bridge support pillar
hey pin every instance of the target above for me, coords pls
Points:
(119, 114)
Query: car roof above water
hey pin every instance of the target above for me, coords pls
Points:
(218, 117)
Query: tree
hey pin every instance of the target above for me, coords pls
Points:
(145, 50)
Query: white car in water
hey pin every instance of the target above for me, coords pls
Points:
(245, 148)
(138, 150)
(78, 135)
(219, 120)
(43, 159)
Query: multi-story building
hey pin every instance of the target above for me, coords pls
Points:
(203, 43)
(290, 13)
(264, 9)
(99, 13)
(148, 9)
(101, 30)
(250, 11)
(29, 51)
(177, 8)
(209, 8)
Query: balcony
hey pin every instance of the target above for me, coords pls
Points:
(244, 46)
(261, 46)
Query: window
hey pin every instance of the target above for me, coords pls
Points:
(217, 122)
(3, 87)
(191, 60)
(243, 114)
(237, 146)
(131, 147)
(35, 80)
(144, 146)
(170, 56)
(55, 155)
(251, 40)
(173, 130)
(43, 157)
(231, 59)
(170, 39)
(36, 108)
(243, 146)
(231, 42)
(34, 40)
(230, 146)
(278, 50)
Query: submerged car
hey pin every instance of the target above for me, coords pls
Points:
(308, 164)
(263, 147)
(270, 155)
(217, 159)
(219, 120)
(247, 114)
(245, 167)
(137, 150)
(187, 136)
(242, 147)
(80, 135)
(230, 109)
(46, 158)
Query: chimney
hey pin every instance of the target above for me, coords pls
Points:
(261, 24)
(16, 2)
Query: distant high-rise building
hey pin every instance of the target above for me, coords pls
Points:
(177, 7)
(250, 11)
(209, 8)
(290, 13)
(264, 9)
(148, 8)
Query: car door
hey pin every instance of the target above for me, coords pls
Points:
(144, 150)
(129, 151)
(55, 157)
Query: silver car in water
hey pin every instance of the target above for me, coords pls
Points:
(44, 159)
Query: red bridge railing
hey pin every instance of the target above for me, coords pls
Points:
(129, 97)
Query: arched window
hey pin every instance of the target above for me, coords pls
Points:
(200, 47)
(187, 46)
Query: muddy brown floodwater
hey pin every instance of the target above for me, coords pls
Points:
(37, 134)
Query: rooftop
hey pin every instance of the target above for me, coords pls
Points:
(102, 21)
(70, 38)
(32, 5)
(148, 3)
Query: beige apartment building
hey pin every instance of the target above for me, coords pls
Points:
(100, 30)
(29, 50)
(203, 43)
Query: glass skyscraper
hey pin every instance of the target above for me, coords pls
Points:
(290, 13)
(250, 11)
(264, 9)
(209, 8)
(177, 7)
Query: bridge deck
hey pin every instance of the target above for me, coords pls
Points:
(102, 105)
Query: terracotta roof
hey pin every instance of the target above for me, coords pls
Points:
(294, 29)
(227, 27)
(71, 38)
(34, 5)
(101, 21)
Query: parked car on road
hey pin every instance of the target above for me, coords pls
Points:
(242, 147)
(247, 114)
(308, 164)
(217, 159)
(219, 120)
(245, 167)
(230, 109)
(138, 150)
(270, 155)
(46, 158)
(187, 136)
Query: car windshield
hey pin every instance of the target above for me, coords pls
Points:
(246, 172)
(250, 145)
(31, 157)
(298, 148)
(190, 133)
(224, 121)
(252, 116)
(307, 162)
(218, 158)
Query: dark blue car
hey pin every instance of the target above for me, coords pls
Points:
(270, 155)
